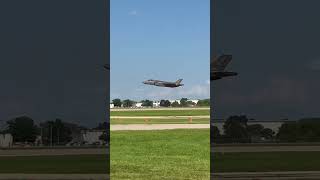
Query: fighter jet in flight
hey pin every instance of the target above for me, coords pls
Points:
(163, 83)
(218, 66)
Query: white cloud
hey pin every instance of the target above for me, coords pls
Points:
(197, 91)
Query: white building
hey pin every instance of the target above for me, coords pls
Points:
(156, 104)
(172, 101)
(138, 105)
(6, 140)
(194, 101)
(111, 105)
(92, 136)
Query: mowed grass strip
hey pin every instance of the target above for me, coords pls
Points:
(193, 112)
(166, 154)
(64, 164)
(159, 121)
(265, 161)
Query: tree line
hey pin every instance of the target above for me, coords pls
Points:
(56, 132)
(237, 130)
(184, 102)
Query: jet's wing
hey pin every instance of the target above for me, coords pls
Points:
(220, 63)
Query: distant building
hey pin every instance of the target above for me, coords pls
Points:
(138, 105)
(86, 137)
(6, 140)
(92, 136)
(111, 105)
(172, 101)
(194, 101)
(156, 104)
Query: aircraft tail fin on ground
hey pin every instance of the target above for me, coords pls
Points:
(178, 81)
(221, 62)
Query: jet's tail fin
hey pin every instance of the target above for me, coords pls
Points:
(221, 62)
(178, 81)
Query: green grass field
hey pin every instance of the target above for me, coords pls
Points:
(66, 164)
(266, 161)
(193, 112)
(166, 154)
(160, 121)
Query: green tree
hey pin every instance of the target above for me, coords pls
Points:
(127, 103)
(55, 132)
(104, 137)
(255, 129)
(309, 129)
(165, 103)
(117, 102)
(175, 104)
(183, 102)
(267, 133)
(203, 102)
(235, 129)
(288, 132)
(102, 126)
(190, 103)
(147, 103)
(214, 132)
(22, 129)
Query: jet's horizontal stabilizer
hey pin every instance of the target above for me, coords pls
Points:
(221, 62)
(218, 66)
(178, 81)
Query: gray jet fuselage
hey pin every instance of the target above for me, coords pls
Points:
(163, 83)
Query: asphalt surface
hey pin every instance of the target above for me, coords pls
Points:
(266, 148)
(298, 175)
(156, 109)
(159, 117)
(54, 176)
(126, 127)
(52, 151)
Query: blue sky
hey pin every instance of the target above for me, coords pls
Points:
(159, 39)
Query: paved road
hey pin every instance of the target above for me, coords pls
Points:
(54, 176)
(156, 109)
(267, 148)
(301, 175)
(159, 117)
(52, 152)
(157, 126)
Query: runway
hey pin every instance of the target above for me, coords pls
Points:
(54, 176)
(157, 109)
(126, 127)
(266, 148)
(159, 117)
(297, 175)
(52, 151)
